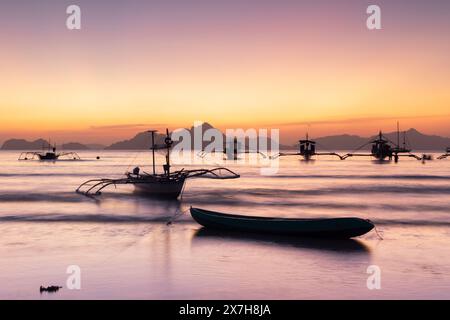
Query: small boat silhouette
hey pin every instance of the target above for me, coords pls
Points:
(49, 155)
(342, 228)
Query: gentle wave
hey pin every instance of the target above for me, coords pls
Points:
(53, 174)
(404, 222)
(175, 218)
(331, 176)
(299, 205)
(360, 177)
(346, 189)
(91, 218)
(42, 197)
(279, 197)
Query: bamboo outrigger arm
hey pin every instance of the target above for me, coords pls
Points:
(329, 154)
(72, 155)
(27, 156)
(410, 155)
(348, 155)
(284, 154)
(215, 173)
(203, 153)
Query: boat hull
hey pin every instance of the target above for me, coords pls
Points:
(343, 228)
(48, 156)
(160, 189)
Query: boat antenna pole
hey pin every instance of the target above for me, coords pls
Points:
(168, 151)
(398, 135)
(169, 143)
(153, 150)
(404, 139)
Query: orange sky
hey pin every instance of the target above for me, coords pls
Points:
(299, 68)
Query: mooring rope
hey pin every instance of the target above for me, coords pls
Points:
(178, 213)
(182, 189)
(378, 233)
(132, 161)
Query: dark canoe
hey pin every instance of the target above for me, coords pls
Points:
(322, 228)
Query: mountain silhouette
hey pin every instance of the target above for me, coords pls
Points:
(143, 141)
(74, 146)
(39, 144)
(414, 139)
(22, 144)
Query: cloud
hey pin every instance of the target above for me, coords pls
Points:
(128, 126)
(356, 120)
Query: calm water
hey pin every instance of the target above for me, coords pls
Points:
(125, 249)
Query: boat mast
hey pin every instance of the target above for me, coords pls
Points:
(168, 142)
(153, 150)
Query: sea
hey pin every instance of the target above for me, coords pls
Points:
(122, 245)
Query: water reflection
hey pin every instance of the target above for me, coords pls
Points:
(352, 246)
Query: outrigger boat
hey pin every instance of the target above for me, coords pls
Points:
(232, 151)
(307, 150)
(49, 155)
(383, 148)
(168, 185)
(445, 155)
(343, 228)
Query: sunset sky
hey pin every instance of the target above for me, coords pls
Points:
(289, 64)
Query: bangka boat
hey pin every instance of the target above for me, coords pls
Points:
(49, 155)
(233, 151)
(343, 228)
(307, 150)
(167, 185)
(383, 148)
(445, 155)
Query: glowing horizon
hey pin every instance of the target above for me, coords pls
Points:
(281, 64)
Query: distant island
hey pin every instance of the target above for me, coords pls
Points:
(414, 139)
(74, 146)
(21, 144)
(141, 141)
(41, 144)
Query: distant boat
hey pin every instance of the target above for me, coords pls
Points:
(307, 149)
(49, 155)
(383, 148)
(317, 228)
(445, 155)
